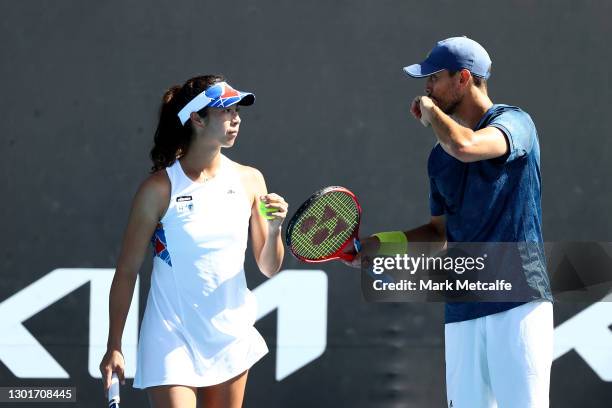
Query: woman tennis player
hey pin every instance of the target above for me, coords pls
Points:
(197, 340)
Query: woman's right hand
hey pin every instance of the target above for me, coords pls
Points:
(112, 362)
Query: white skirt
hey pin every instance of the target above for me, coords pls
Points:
(175, 351)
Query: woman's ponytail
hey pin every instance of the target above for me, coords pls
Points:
(172, 139)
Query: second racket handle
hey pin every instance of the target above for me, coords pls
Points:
(113, 392)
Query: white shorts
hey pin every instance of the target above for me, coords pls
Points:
(501, 360)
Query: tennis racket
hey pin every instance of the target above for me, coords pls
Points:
(324, 226)
(113, 392)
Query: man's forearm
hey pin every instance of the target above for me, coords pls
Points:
(425, 239)
(452, 136)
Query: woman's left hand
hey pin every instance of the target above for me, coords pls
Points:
(275, 210)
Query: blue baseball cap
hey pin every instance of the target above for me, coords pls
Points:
(453, 54)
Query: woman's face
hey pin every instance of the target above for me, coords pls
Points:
(222, 124)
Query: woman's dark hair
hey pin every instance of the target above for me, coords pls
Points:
(172, 139)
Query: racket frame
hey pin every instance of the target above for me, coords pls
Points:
(353, 238)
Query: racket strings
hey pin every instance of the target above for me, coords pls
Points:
(325, 226)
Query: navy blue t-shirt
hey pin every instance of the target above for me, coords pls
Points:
(496, 200)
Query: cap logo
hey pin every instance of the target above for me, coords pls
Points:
(229, 92)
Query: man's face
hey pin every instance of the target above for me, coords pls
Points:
(444, 89)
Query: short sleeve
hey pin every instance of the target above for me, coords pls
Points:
(520, 132)
(436, 202)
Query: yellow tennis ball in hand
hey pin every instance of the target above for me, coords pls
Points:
(265, 212)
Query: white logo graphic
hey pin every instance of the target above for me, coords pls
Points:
(299, 295)
(301, 299)
(589, 334)
(27, 358)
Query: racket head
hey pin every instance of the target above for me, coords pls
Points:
(324, 226)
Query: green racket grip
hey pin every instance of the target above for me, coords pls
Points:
(265, 212)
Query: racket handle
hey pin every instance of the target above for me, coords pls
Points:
(357, 244)
(113, 392)
(346, 256)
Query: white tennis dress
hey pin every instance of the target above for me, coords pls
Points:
(197, 328)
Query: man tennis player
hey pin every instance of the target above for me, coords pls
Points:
(484, 177)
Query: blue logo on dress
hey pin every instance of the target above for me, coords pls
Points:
(160, 248)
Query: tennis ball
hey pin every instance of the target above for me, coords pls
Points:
(265, 212)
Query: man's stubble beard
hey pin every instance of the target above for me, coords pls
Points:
(452, 106)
